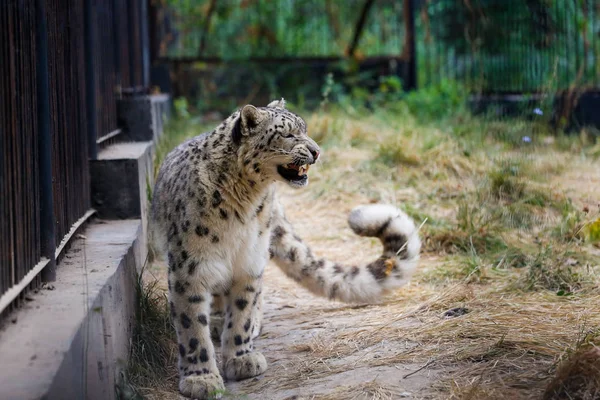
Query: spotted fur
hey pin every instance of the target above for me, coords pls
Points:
(216, 217)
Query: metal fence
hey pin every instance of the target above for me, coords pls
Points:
(63, 65)
(20, 246)
(117, 62)
(225, 52)
(242, 29)
(510, 46)
(67, 98)
(489, 46)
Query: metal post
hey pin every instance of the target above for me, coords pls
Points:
(153, 32)
(145, 45)
(409, 9)
(47, 235)
(117, 42)
(132, 44)
(90, 83)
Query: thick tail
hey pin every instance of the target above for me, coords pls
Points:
(352, 283)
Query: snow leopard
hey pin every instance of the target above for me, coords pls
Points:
(216, 217)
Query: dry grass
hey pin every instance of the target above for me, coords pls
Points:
(509, 243)
(372, 390)
(154, 352)
(578, 377)
(502, 344)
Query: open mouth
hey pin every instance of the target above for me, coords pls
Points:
(294, 173)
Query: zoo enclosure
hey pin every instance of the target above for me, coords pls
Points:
(63, 66)
(492, 47)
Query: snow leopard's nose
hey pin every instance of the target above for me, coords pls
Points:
(314, 152)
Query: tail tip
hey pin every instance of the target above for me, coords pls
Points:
(371, 220)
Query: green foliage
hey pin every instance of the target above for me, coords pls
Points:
(533, 46)
(592, 231)
(366, 92)
(437, 101)
(243, 28)
(181, 107)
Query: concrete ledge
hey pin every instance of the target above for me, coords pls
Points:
(72, 341)
(119, 178)
(143, 117)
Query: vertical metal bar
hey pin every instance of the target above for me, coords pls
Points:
(47, 235)
(409, 8)
(595, 64)
(7, 242)
(90, 82)
(132, 44)
(557, 47)
(577, 41)
(426, 37)
(567, 47)
(145, 48)
(152, 31)
(117, 43)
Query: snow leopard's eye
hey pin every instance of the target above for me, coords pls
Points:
(288, 135)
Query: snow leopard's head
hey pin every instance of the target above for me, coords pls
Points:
(275, 143)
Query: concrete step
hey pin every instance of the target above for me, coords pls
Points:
(72, 339)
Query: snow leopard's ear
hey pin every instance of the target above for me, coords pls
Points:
(250, 118)
(277, 103)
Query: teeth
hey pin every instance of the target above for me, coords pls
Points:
(303, 169)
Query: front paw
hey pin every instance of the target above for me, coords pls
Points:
(202, 387)
(245, 366)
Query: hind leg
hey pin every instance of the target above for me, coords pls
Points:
(217, 316)
(257, 314)
(242, 324)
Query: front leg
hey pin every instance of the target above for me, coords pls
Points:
(190, 308)
(242, 324)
